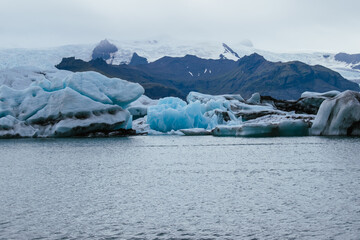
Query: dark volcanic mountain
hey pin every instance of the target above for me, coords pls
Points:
(348, 58)
(280, 80)
(103, 50)
(176, 76)
(137, 60)
(353, 59)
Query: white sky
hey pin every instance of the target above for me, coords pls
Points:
(276, 25)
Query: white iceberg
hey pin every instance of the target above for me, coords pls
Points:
(265, 129)
(173, 114)
(225, 115)
(254, 99)
(339, 115)
(204, 98)
(328, 94)
(76, 104)
(139, 107)
(195, 132)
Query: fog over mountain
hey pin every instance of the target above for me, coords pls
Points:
(277, 25)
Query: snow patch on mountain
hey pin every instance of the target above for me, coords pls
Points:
(153, 50)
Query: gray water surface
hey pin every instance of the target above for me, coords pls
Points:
(176, 187)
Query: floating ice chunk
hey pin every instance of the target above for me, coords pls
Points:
(254, 99)
(52, 106)
(311, 101)
(173, 114)
(141, 126)
(107, 122)
(204, 98)
(208, 112)
(328, 94)
(247, 130)
(294, 128)
(20, 78)
(105, 90)
(139, 107)
(339, 115)
(265, 129)
(195, 132)
(220, 117)
(138, 111)
(21, 104)
(143, 101)
(67, 103)
(11, 127)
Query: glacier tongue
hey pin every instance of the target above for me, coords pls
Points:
(62, 104)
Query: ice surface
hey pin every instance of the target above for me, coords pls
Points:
(339, 115)
(103, 89)
(254, 99)
(329, 94)
(139, 107)
(61, 103)
(205, 112)
(204, 98)
(265, 129)
(173, 114)
(202, 111)
(195, 132)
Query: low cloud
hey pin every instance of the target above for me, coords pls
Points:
(277, 25)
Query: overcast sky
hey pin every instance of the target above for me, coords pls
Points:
(276, 25)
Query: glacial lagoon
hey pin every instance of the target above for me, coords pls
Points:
(177, 187)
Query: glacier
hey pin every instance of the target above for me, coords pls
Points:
(56, 103)
(153, 50)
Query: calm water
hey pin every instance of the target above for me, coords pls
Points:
(174, 187)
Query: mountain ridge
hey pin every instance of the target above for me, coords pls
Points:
(176, 76)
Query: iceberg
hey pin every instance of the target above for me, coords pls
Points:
(53, 103)
(173, 114)
(204, 98)
(138, 108)
(224, 115)
(339, 115)
(195, 132)
(328, 94)
(254, 99)
(64, 104)
(266, 127)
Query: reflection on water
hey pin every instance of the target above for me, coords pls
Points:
(174, 187)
